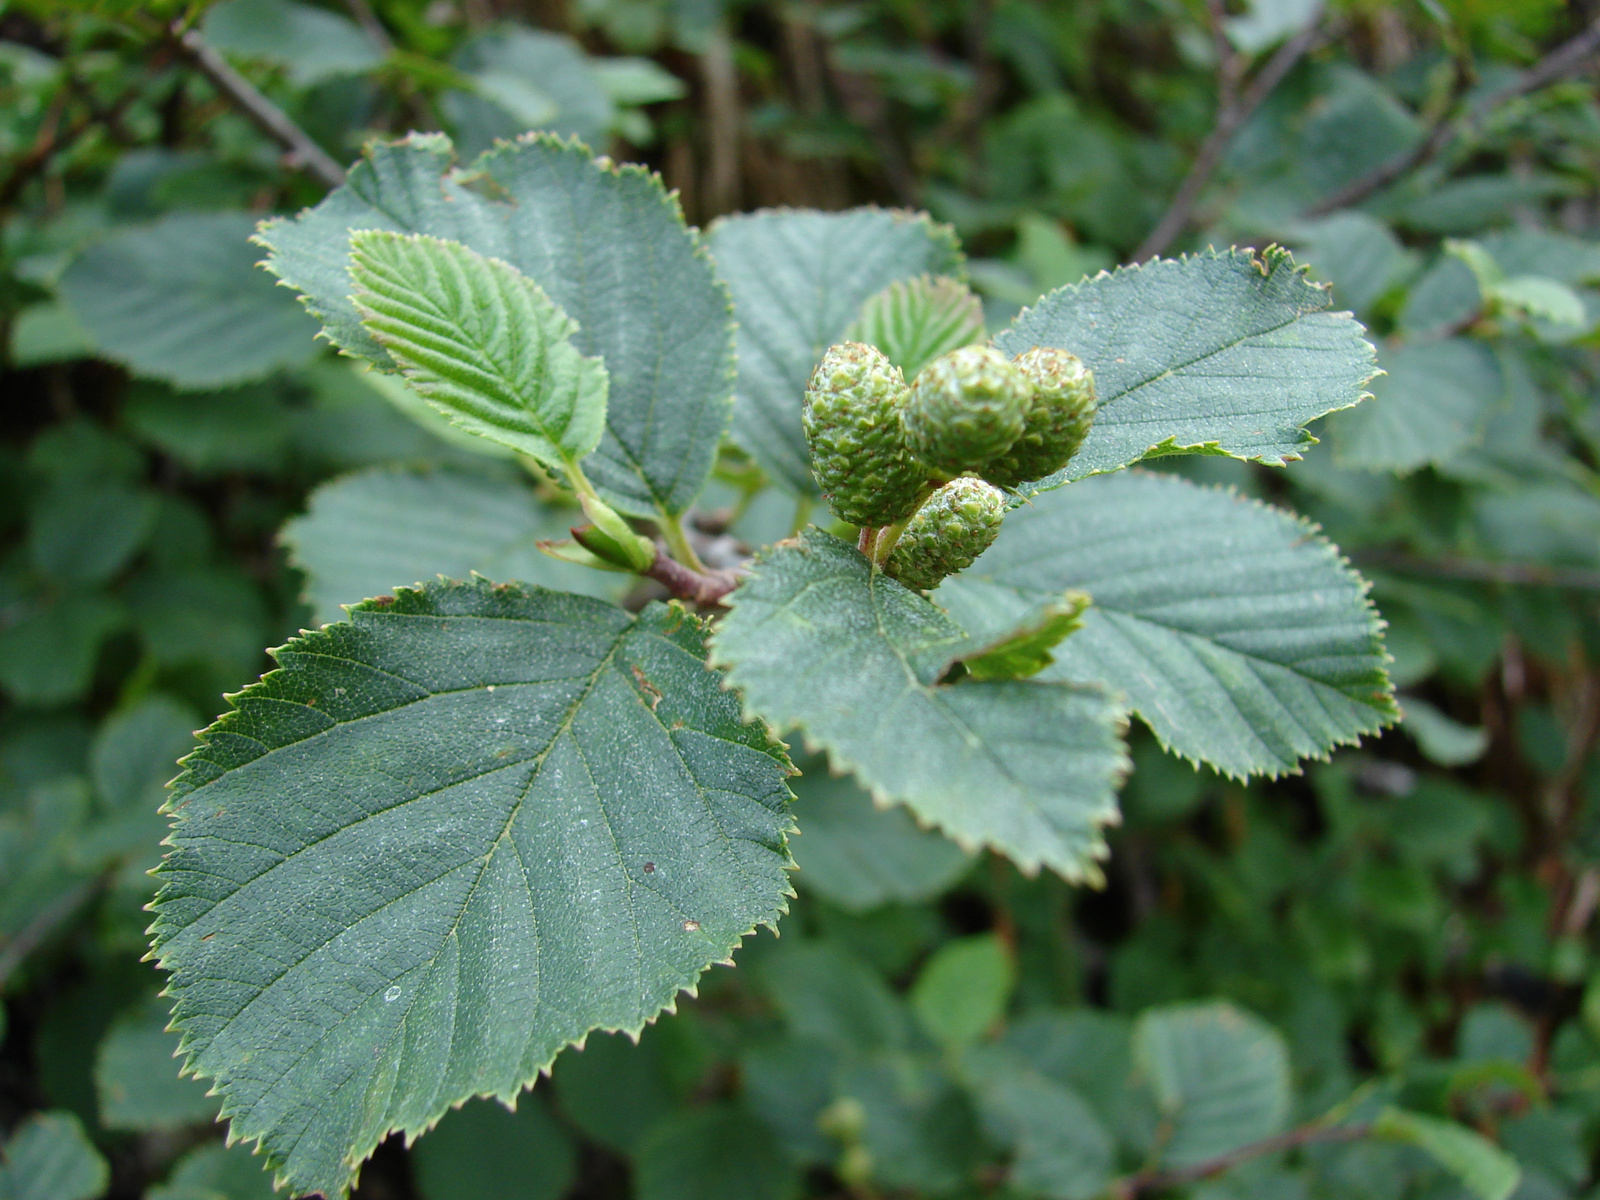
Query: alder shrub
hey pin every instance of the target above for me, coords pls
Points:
(474, 821)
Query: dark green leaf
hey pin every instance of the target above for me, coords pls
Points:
(182, 300)
(136, 1077)
(799, 278)
(1220, 1077)
(1061, 1150)
(1239, 636)
(50, 1158)
(860, 856)
(1219, 353)
(716, 1153)
(487, 1152)
(367, 534)
(817, 640)
(525, 816)
(1433, 403)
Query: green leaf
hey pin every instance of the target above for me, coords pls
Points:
(482, 343)
(914, 321)
(181, 300)
(614, 1089)
(215, 1172)
(1239, 636)
(963, 990)
(243, 429)
(1433, 403)
(1061, 1150)
(86, 533)
(1442, 740)
(311, 44)
(487, 1152)
(524, 816)
(50, 1158)
(607, 244)
(799, 278)
(816, 640)
(47, 656)
(1220, 1077)
(715, 1153)
(1221, 353)
(1483, 1169)
(859, 856)
(515, 70)
(1545, 299)
(136, 1078)
(1026, 649)
(367, 534)
(47, 333)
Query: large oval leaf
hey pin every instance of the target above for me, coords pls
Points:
(1220, 353)
(817, 640)
(445, 840)
(1238, 635)
(799, 278)
(182, 300)
(606, 243)
(366, 534)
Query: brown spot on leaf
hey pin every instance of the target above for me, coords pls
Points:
(645, 686)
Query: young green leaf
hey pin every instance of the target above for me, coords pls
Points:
(799, 278)
(607, 244)
(914, 321)
(482, 343)
(1220, 1077)
(1216, 353)
(962, 991)
(1239, 636)
(1026, 648)
(1483, 1168)
(444, 840)
(1028, 767)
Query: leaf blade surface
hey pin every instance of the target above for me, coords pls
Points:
(445, 840)
(1221, 353)
(817, 640)
(1237, 634)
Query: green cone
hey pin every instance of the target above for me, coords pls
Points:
(1057, 421)
(852, 423)
(959, 522)
(965, 409)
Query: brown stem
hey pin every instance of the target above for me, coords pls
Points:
(1565, 59)
(1156, 1180)
(262, 112)
(1531, 574)
(705, 588)
(1232, 113)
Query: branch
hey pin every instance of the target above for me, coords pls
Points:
(1156, 1180)
(1232, 113)
(705, 588)
(262, 112)
(1563, 60)
(1478, 571)
(48, 919)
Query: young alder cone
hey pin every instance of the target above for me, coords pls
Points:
(1057, 420)
(959, 522)
(852, 423)
(965, 408)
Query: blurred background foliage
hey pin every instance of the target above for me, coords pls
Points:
(1412, 922)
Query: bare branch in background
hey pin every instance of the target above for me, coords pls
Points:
(1567, 59)
(262, 112)
(1233, 110)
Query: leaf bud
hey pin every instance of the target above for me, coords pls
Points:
(965, 408)
(1057, 420)
(959, 522)
(852, 425)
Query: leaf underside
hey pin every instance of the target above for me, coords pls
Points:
(1238, 635)
(482, 343)
(606, 243)
(798, 280)
(1226, 352)
(816, 640)
(444, 840)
